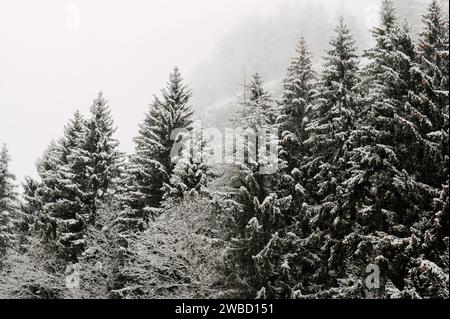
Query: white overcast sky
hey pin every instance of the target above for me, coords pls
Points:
(50, 66)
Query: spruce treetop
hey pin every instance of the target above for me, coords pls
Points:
(434, 37)
(101, 116)
(175, 101)
(341, 61)
(72, 135)
(6, 178)
(258, 110)
(300, 75)
(388, 15)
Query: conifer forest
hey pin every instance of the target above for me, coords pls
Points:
(344, 196)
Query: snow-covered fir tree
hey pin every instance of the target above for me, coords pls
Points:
(176, 114)
(384, 195)
(30, 204)
(57, 199)
(69, 209)
(8, 203)
(76, 173)
(98, 158)
(387, 136)
(285, 257)
(430, 95)
(258, 109)
(299, 90)
(318, 225)
(332, 119)
(192, 170)
(151, 165)
(257, 209)
(46, 195)
(144, 173)
(430, 103)
(387, 83)
(54, 203)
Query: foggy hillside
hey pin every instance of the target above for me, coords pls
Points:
(266, 44)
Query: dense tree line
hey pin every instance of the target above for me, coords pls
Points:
(361, 183)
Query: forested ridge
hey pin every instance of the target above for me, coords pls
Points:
(361, 183)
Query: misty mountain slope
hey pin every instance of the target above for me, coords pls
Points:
(263, 44)
(266, 45)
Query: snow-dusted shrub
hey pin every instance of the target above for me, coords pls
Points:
(180, 255)
(32, 275)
